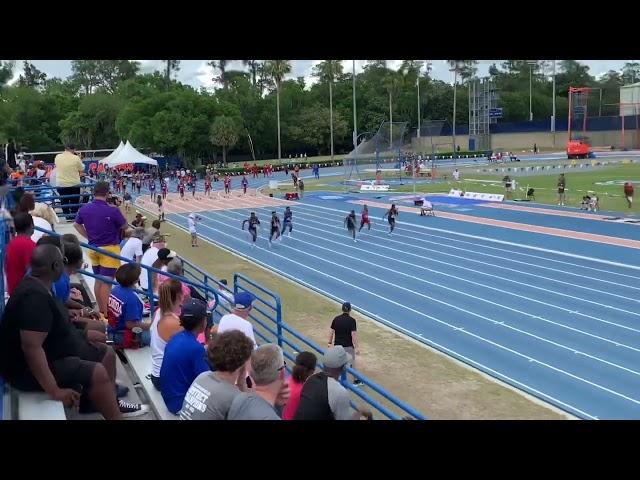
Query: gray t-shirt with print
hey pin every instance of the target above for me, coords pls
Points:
(208, 398)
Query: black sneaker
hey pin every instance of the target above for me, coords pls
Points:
(132, 409)
(357, 383)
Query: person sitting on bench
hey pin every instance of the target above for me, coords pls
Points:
(584, 205)
(531, 194)
(426, 208)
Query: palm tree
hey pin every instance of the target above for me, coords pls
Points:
(171, 65)
(277, 69)
(220, 65)
(254, 66)
(327, 71)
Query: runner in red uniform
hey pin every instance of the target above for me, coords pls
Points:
(207, 186)
(628, 193)
(181, 190)
(365, 219)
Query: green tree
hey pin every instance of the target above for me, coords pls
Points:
(85, 75)
(6, 72)
(254, 68)
(224, 133)
(313, 129)
(631, 72)
(276, 70)
(32, 77)
(93, 124)
(327, 71)
(221, 66)
(170, 66)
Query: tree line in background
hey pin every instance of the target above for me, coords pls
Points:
(258, 112)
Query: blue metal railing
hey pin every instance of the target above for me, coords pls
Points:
(267, 317)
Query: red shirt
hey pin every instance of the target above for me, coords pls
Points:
(17, 260)
(628, 190)
(291, 407)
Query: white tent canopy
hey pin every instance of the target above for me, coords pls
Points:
(128, 154)
(113, 154)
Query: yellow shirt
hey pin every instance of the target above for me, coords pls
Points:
(68, 168)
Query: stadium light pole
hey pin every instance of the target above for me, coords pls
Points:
(418, 85)
(355, 124)
(455, 82)
(553, 108)
(531, 64)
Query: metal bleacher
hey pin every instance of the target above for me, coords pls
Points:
(269, 327)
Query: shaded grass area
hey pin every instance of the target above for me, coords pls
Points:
(434, 384)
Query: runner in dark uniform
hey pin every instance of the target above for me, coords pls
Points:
(275, 227)
(245, 184)
(181, 189)
(350, 223)
(164, 189)
(287, 221)
(152, 189)
(391, 214)
(253, 227)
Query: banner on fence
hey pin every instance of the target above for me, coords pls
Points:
(374, 188)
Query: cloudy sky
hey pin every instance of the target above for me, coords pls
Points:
(198, 74)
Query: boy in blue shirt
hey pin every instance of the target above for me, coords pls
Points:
(125, 310)
(184, 357)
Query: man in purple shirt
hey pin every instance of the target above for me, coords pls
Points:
(102, 225)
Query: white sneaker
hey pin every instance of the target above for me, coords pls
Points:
(128, 409)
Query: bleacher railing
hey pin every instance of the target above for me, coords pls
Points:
(269, 327)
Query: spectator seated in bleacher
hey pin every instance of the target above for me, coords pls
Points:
(166, 323)
(323, 397)
(139, 220)
(184, 357)
(164, 257)
(237, 319)
(131, 247)
(40, 350)
(149, 233)
(84, 318)
(18, 253)
(43, 215)
(210, 395)
(174, 267)
(149, 258)
(305, 367)
(271, 391)
(126, 328)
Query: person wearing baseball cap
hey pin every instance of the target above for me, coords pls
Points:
(184, 357)
(344, 332)
(323, 397)
(132, 247)
(238, 318)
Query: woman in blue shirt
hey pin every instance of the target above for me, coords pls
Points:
(184, 357)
